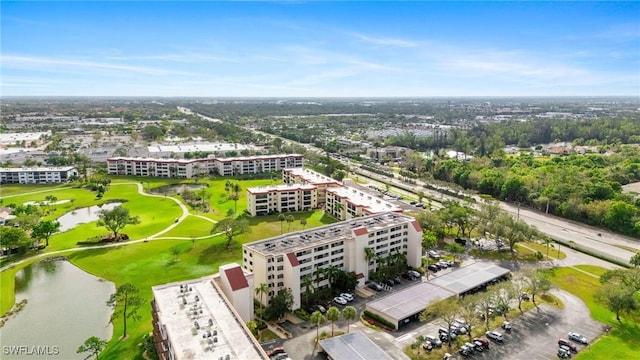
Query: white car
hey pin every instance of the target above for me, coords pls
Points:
(340, 300)
(573, 336)
(433, 340)
(495, 336)
(347, 296)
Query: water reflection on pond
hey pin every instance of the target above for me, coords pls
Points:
(83, 215)
(176, 189)
(65, 307)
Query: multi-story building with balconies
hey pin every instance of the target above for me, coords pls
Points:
(37, 175)
(183, 168)
(264, 200)
(306, 176)
(282, 262)
(347, 202)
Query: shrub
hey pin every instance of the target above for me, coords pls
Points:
(379, 319)
(302, 314)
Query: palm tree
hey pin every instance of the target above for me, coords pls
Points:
(281, 218)
(261, 290)
(227, 186)
(333, 315)
(303, 222)
(290, 219)
(236, 188)
(369, 254)
(429, 241)
(317, 319)
(235, 199)
(318, 273)
(331, 272)
(307, 283)
(349, 313)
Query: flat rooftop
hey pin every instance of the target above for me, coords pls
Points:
(259, 157)
(412, 300)
(157, 160)
(326, 234)
(281, 187)
(38, 169)
(219, 332)
(470, 276)
(198, 147)
(369, 202)
(353, 346)
(311, 176)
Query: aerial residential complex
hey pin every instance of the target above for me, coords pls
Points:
(38, 175)
(282, 262)
(305, 190)
(205, 318)
(183, 168)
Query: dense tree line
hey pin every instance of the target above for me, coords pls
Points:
(586, 188)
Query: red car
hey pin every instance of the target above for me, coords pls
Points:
(275, 351)
(568, 344)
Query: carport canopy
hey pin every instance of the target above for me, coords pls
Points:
(353, 346)
(469, 277)
(410, 301)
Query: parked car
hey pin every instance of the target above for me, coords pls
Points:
(427, 345)
(434, 268)
(506, 325)
(460, 330)
(477, 346)
(389, 282)
(433, 340)
(443, 264)
(573, 336)
(465, 350)
(483, 341)
(375, 286)
(282, 356)
(446, 334)
(569, 344)
(495, 336)
(320, 308)
(472, 346)
(462, 323)
(347, 296)
(564, 353)
(434, 255)
(340, 300)
(275, 351)
(397, 280)
(415, 274)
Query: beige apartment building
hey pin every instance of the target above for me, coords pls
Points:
(188, 168)
(305, 176)
(265, 200)
(347, 202)
(205, 318)
(282, 262)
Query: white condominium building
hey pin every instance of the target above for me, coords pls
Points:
(205, 318)
(264, 200)
(183, 168)
(257, 164)
(282, 262)
(306, 176)
(348, 202)
(38, 175)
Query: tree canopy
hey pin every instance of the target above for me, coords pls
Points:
(116, 219)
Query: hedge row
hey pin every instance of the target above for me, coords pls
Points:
(380, 319)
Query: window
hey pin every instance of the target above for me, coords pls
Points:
(280, 268)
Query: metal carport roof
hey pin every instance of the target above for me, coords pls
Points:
(353, 346)
(469, 277)
(409, 301)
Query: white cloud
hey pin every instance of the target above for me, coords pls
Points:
(80, 65)
(385, 41)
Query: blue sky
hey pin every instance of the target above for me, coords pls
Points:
(328, 49)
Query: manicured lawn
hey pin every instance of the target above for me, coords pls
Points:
(192, 226)
(11, 190)
(264, 227)
(553, 249)
(623, 341)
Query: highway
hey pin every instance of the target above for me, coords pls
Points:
(595, 240)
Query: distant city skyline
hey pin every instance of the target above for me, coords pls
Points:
(320, 49)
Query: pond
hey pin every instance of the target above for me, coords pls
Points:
(65, 307)
(83, 215)
(176, 189)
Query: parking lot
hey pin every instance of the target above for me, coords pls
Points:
(534, 335)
